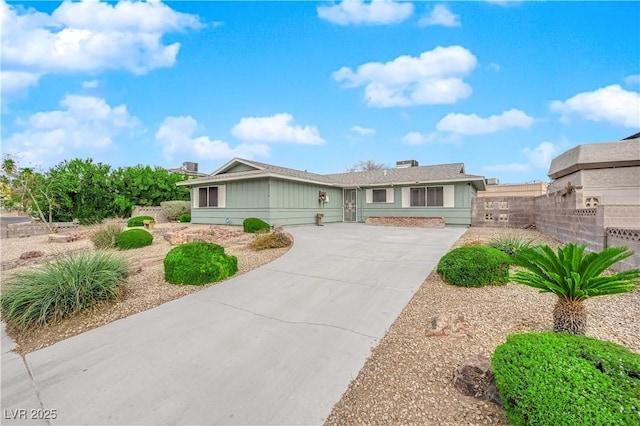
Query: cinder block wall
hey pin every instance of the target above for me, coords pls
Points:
(508, 212)
(154, 211)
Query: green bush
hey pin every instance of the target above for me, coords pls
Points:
(105, 236)
(511, 244)
(563, 379)
(474, 266)
(62, 288)
(198, 263)
(253, 225)
(174, 209)
(268, 240)
(138, 221)
(185, 218)
(134, 238)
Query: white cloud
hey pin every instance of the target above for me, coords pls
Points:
(434, 77)
(176, 137)
(632, 80)
(357, 12)
(417, 138)
(611, 104)
(475, 125)
(440, 15)
(90, 36)
(13, 82)
(494, 67)
(92, 84)
(84, 123)
(277, 128)
(362, 131)
(537, 158)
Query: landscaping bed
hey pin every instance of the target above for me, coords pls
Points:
(146, 287)
(408, 379)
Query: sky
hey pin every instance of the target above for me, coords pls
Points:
(501, 86)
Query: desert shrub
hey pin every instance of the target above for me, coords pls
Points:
(268, 240)
(62, 288)
(511, 244)
(105, 236)
(474, 266)
(138, 221)
(253, 225)
(174, 209)
(198, 263)
(134, 238)
(185, 218)
(563, 379)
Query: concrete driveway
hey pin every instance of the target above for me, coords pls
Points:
(278, 345)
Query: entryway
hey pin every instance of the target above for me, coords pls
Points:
(350, 197)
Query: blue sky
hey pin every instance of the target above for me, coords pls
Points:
(500, 86)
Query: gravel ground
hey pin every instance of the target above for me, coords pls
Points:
(146, 287)
(408, 378)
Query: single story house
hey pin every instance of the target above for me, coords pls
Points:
(244, 188)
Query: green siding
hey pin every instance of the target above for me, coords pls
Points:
(296, 203)
(239, 168)
(248, 194)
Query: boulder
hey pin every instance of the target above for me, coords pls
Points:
(475, 378)
(448, 324)
(61, 238)
(31, 255)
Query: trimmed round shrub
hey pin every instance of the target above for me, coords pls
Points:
(198, 263)
(185, 218)
(61, 288)
(134, 238)
(474, 266)
(563, 379)
(138, 221)
(253, 225)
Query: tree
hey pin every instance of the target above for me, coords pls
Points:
(573, 277)
(365, 166)
(27, 190)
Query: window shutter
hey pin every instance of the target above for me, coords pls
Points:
(449, 196)
(194, 197)
(389, 195)
(369, 196)
(222, 196)
(406, 197)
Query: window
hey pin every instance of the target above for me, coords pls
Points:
(379, 195)
(210, 196)
(432, 196)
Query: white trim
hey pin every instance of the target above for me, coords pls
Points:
(448, 196)
(368, 196)
(406, 197)
(390, 192)
(222, 196)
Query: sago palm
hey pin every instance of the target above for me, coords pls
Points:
(573, 277)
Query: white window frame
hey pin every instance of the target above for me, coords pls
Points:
(369, 196)
(448, 196)
(195, 196)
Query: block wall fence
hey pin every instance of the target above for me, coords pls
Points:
(557, 217)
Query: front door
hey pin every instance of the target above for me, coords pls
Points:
(349, 196)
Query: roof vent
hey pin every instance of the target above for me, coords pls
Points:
(406, 163)
(190, 166)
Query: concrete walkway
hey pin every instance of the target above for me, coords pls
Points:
(278, 345)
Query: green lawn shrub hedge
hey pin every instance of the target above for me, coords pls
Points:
(198, 263)
(253, 225)
(185, 218)
(138, 221)
(61, 288)
(474, 266)
(134, 238)
(561, 379)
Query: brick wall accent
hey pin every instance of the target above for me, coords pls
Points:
(153, 211)
(509, 212)
(415, 222)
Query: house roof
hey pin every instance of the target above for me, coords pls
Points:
(398, 176)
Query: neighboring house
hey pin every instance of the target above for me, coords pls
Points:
(188, 168)
(514, 189)
(600, 173)
(243, 188)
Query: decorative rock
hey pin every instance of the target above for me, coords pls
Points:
(475, 378)
(448, 324)
(61, 238)
(31, 255)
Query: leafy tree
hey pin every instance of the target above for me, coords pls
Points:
(365, 166)
(573, 277)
